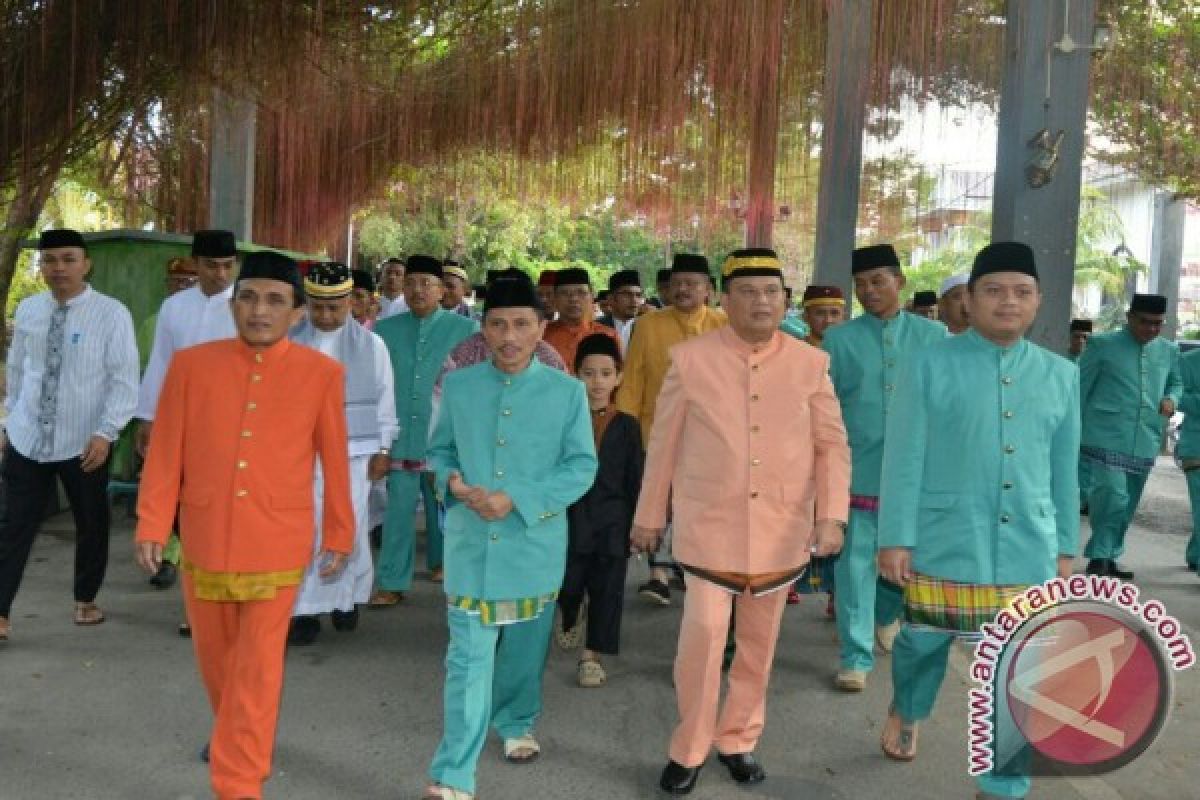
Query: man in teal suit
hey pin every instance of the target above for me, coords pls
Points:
(989, 515)
(512, 449)
(1129, 386)
(1081, 331)
(867, 355)
(1188, 449)
(418, 341)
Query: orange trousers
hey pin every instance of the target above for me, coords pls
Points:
(702, 635)
(240, 648)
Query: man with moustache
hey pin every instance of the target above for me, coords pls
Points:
(576, 320)
(823, 307)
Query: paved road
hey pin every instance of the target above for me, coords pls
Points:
(117, 712)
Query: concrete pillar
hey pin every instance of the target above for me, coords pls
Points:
(847, 68)
(1043, 88)
(1166, 253)
(231, 165)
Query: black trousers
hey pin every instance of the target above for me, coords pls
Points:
(28, 485)
(602, 579)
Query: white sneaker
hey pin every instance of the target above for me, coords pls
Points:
(885, 635)
(851, 680)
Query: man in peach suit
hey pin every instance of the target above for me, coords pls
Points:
(748, 441)
(239, 425)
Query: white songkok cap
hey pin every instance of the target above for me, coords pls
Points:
(952, 282)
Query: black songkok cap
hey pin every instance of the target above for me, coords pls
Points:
(690, 262)
(597, 344)
(424, 265)
(363, 280)
(1003, 257)
(60, 237)
(1084, 325)
(751, 262)
(214, 244)
(1149, 304)
(273, 266)
(512, 289)
(328, 280)
(625, 277)
(572, 276)
(924, 299)
(664, 276)
(873, 257)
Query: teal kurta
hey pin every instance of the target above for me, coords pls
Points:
(1121, 384)
(980, 473)
(866, 357)
(530, 436)
(1188, 449)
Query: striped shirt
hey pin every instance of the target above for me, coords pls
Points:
(98, 382)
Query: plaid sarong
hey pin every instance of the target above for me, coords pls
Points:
(955, 607)
(864, 502)
(503, 612)
(409, 465)
(817, 576)
(1135, 465)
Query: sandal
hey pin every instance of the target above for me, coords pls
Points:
(382, 598)
(5, 629)
(88, 614)
(899, 739)
(571, 638)
(522, 749)
(591, 674)
(435, 791)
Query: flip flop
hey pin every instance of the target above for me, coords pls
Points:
(435, 791)
(88, 614)
(522, 749)
(904, 745)
(382, 598)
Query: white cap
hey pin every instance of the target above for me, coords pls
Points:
(952, 282)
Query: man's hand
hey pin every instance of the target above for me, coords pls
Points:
(828, 537)
(645, 540)
(378, 466)
(1166, 407)
(95, 453)
(494, 506)
(895, 565)
(1066, 566)
(148, 556)
(141, 437)
(331, 563)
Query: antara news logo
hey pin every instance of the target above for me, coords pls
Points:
(1074, 677)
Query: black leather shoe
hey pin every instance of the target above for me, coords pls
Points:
(204, 752)
(344, 621)
(1115, 570)
(303, 631)
(743, 767)
(165, 577)
(1098, 566)
(678, 779)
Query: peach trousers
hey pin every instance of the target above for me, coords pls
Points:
(240, 649)
(702, 635)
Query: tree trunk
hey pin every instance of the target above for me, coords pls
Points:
(32, 191)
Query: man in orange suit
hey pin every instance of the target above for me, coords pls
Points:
(748, 443)
(240, 423)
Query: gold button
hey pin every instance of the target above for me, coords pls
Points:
(245, 434)
(1004, 517)
(755, 462)
(753, 495)
(1006, 380)
(753, 398)
(1008, 415)
(242, 492)
(242, 465)
(495, 538)
(258, 357)
(508, 381)
(500, 442)
(506, 412)
(888, 387)
(499, 473)
(256, 377)
(754, 429)
(1008, 448)
(754, 367)
(1008, 484)
(251, 406)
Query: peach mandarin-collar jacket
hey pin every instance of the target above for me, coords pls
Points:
(749, 448)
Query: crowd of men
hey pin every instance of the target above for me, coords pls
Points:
(286, 410)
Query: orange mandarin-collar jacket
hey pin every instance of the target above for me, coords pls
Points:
(752, 444)
(566, 338)
(233, 445)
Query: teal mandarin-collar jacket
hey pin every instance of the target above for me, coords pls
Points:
(418, 347)
(980, 473)
(866, 357)
(530, 436)
(1189, 404)
(1121, 384)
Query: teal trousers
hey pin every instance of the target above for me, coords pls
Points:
(398, 553)
(919, 660)
(493, 676)
(1192, 556)
(1085, 481)
(862, 599)
(1114, 497)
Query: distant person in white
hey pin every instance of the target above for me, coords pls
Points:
(625, 296)
(371, 428)
(194, 316)
(72, 386)
(391, 288)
